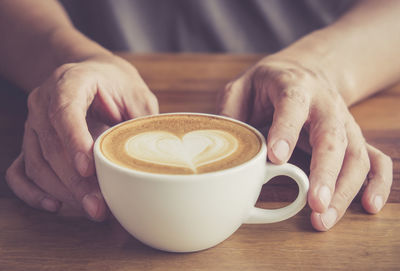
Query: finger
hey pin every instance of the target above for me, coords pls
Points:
(93, 202)
(81, 188)
(380, 180)
(53, 152)
(28, 191)
(352, 175)
(137, 102)
(291, 106)
(39, 171)
(67, 110)
(329, 142)
(137, 106)
(141, 101)
(236, 99)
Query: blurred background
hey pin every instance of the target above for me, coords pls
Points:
(236, 26)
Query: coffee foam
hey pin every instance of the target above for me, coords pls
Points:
(180, 144)
(193, 150)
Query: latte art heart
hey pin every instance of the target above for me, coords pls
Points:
(180, 144)
(193, 150)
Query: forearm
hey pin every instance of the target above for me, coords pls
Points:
(359, 52)
(39, 38)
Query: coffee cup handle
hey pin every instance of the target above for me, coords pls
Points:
(259, 215)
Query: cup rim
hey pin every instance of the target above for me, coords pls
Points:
(99, 155)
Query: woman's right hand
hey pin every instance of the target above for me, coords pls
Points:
(65, 114)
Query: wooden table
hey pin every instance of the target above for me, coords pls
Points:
(35, 240)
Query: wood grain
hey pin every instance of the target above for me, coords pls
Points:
(35, 240)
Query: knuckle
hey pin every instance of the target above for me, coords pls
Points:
(49, 145)
(332, 146)
(331, 110)
(287, 84)
(278, 75)
(288, 128)
(61, 98)
(333, 138)
(292, 74)
(338, 134)
(45, 137)
(359, 154)
(262, 75)
(272, 71)
(56, 108)
(295, 95)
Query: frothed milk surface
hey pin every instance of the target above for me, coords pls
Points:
(180, 144)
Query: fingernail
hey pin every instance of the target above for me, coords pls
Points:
(328, 218)
(378, 202)
(49, 204)
(90, 205)
(324, 195)
(81, 163)
(281, 150)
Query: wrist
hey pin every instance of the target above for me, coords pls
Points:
(68, 45)
(59, 46)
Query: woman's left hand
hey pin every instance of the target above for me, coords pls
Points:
(292, 98)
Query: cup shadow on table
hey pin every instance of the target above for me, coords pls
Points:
(48, 236)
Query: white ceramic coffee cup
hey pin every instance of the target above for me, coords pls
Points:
(183, 213)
